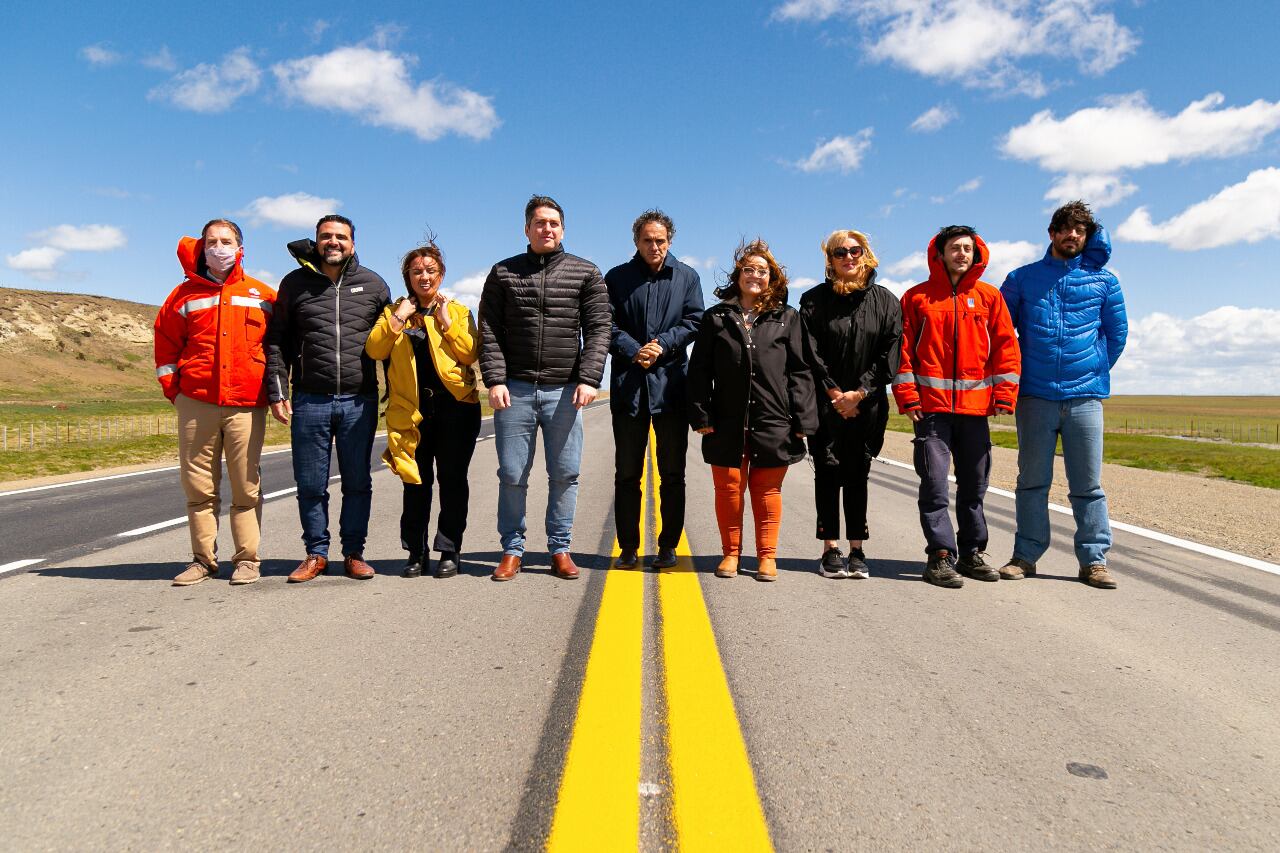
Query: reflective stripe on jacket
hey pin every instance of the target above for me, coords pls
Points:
(959, 352)
(208, 336)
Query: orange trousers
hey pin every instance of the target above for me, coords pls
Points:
(766, 505)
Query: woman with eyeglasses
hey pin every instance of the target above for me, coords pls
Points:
(854, 330)
(751, 397)
(430, 344)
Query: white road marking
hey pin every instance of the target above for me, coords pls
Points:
(1186, 544)
(18, 564)
(174, 522)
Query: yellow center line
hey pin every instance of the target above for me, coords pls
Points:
(714, 802)
(598, 807)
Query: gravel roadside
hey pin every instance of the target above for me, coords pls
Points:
(1233, 516)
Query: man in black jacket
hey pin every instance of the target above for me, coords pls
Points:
(544, 327)
(323, 314)
(657, 306)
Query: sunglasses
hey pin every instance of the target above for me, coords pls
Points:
(842, 252)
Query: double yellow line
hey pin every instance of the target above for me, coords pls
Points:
(713, 798)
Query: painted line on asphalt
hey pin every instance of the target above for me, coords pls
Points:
(1185, 544)
(714, 802)
(598, 806)
(174, 522)
(16, 565)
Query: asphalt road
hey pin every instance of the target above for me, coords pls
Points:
(876, 714)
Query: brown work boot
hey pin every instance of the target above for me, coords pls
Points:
(246, 572)
(767, 570)
(1097, 576)
(508, 567)
(562, 566)
(309, 568)
(728, 567)
(355, 567)
(195, 572)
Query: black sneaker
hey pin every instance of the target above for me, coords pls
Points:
(940, 570)
(666, 558)
(858, 564)
(447, 565)
(832, 564)
(628, 559)
(412, 568)
(973, 566)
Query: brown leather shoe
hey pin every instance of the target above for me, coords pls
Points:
(768, 569)
(1097, 576)
(309, 568)
(562, 566)
(355, 567)
(728, 567)
(508, 567)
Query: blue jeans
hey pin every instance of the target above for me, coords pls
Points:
(533, 407)
(321, 421)
(1079, 422)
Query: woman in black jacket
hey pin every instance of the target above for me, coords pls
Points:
(751, 397)
(854, 332)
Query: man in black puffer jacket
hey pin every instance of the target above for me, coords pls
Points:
(323, 314)
(544, 327)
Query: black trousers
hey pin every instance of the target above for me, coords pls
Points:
(940, 438)
(449, 431)
(630, 440)
(828, 483)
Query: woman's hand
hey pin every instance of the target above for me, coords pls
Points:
(405, 309)
(846, 404)
(443, 320)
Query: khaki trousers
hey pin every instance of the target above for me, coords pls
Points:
(205, 434)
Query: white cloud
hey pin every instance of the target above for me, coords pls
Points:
(897, 286)
(293, 210)
(797, 285)
(698, 263)
(210, 88)
(264, 276)
(1246, 212)
(939, 38)
(467, 290)
(100, 55)
(911, 264)
(1008, 255)
(934, 119)
(840, 153)
(161, 60)
(40, 262)
(375, 86)
(1098, 190)
(1126, 133)
(1229, 350)
(82, 238)
(967, 187)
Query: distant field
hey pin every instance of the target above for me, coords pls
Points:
(1138, 430)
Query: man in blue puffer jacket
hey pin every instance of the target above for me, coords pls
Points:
(1069, 313)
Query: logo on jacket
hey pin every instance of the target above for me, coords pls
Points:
(253, 291)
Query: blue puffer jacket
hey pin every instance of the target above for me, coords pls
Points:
(1070, 320)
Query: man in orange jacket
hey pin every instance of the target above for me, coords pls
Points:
(210, 363)
(960, 364)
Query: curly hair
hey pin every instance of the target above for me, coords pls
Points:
(428, 249)
(775, 295)
(835, 238)
(1073, 213)
(653, 215)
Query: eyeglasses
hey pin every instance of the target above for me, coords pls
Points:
(852, 252)
(758, 272)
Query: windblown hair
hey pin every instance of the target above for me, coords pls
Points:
(1073, 213)
(653, 215)
(947, 234)
(775, 295)
(869, 259)
(204, 232)
(428, 249)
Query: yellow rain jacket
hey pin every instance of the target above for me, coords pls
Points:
(453, 354)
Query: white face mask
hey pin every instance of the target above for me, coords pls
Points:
(220, 258)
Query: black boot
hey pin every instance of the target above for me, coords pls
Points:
(447, 565)
(413, 568)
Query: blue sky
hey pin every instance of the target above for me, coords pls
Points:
(781, 119)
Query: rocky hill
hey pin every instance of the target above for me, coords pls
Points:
(70, 346)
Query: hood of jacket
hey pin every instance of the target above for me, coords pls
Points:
(938, 270)
(191, 256)
(1096, 254)
(304, 252)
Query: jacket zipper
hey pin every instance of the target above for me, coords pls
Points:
(542, 315)
(751, 370)
(337, 328)
(955, 343)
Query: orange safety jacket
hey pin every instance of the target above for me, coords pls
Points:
(208, 336)
(959, 350)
